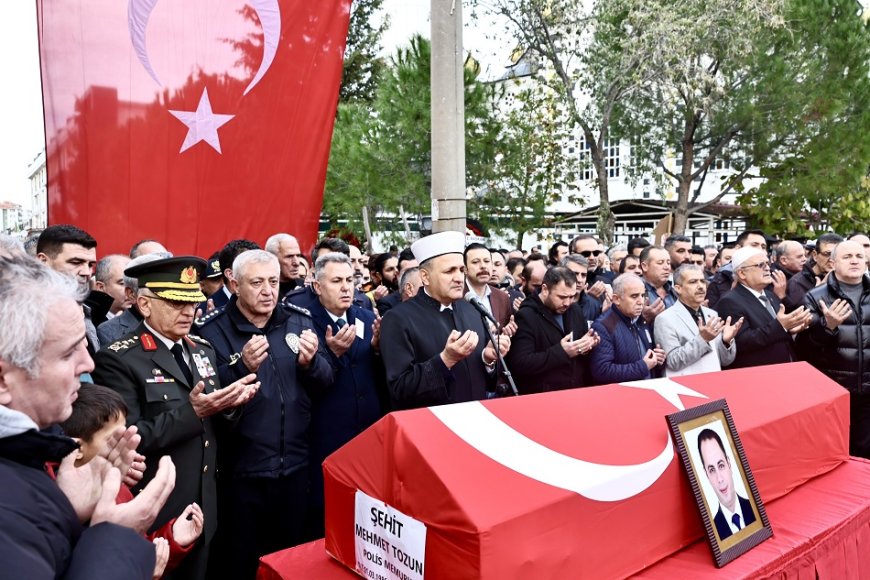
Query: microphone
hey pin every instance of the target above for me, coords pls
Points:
(472, 299)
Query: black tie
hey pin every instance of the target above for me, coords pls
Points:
(447, 315)
(736, 519)
(339, 324)
(179, 358)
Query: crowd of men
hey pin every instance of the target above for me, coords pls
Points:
(230, 380)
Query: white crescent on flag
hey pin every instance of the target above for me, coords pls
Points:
(268, 11)
(480, 428)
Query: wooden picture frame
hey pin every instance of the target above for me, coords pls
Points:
(721, 477)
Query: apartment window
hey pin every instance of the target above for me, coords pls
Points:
(611, 159)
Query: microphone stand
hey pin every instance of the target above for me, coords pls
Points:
(498, 357)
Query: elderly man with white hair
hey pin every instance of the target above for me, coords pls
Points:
(766, 336)
(286, 248)
(42, 355)
(263, 498)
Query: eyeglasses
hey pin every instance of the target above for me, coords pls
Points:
(174, 304)
(587, 253)
(761, 265)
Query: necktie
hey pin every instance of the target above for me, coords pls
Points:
(447, 316)
(736, 519)
(767, 305)
(179, 358)
(339, 323)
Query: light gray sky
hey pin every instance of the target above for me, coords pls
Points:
(21, 125)
(21, 128)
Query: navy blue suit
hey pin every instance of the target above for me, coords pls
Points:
(305, 297)
(722, 525)
(355, 401)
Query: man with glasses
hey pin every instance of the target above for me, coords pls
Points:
(587, 246)
(169, 382)
(814, 273)
(723, 281)
(767, 331)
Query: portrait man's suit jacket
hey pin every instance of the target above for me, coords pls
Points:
(722, 526)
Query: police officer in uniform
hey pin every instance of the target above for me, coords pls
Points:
(168, 379)
(263, 484)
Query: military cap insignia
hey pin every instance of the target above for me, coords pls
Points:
(216, 265)
(292, 341)
(188, 275)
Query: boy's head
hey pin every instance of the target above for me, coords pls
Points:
(96, 413)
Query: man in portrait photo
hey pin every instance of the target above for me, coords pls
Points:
(735, 512)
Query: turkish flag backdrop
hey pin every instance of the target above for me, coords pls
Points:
(192, 122)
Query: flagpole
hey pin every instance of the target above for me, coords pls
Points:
(448, 117)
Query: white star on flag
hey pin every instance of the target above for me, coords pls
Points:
(668, 389)
(202, 124)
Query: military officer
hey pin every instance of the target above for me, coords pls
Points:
(169, 380)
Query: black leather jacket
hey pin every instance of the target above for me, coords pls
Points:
(842, 354)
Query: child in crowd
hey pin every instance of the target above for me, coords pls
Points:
(97, 412)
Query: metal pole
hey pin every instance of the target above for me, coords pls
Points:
(448, 117)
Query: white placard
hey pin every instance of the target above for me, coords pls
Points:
(389, 544)
(360, 329)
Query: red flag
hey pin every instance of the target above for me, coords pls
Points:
(190, 122)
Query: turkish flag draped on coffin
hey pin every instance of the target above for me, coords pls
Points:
(193, 122)
(582, 483)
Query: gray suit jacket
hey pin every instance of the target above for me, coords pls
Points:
(687, 353)
(113, 329)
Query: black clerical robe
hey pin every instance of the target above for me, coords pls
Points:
(413, 334)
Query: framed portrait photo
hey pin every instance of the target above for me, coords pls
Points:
(719, 474)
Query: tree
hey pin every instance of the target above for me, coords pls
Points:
(531, 169)
(818, 179)
(700, 97)
(362, 65)
(590, 79)
(381, 154)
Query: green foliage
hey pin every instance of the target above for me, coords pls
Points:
(381, 152)
(816, 175)
(362, 65)
(531, 169)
